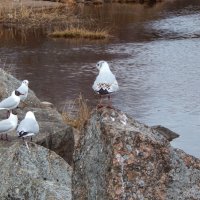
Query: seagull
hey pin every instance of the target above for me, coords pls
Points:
(9, 124)
(105, 82)
(28, 126)
(11, 102)
(23, 89)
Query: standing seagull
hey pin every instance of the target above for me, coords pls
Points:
(23, 89)
(11, 102)
(9, 124)
(28, 126)
(105, 82)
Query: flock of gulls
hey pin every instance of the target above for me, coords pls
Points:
(104, 85)
(28, 126)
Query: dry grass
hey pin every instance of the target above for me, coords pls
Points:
(77, 113)
(5, 67)
(80, 33)
(34, 17)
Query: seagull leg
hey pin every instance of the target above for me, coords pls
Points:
(31, 139)
(8, 114)
(6, 137)
(110, 102)
(100, 105)
(2, 137)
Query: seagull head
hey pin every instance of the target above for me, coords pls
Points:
(30, 114)
(25, 82)
(13, 115)
(14, 112)
(102, 65)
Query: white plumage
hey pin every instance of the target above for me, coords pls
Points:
(11, 102)
(23, 89)
(105, 82)
(9, 124)
(28, 126)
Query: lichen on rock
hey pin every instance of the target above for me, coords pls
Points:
(34, 173)
(120, 158)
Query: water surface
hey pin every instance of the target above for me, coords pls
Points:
(154, 54)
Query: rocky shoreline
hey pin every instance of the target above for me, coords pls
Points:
(116, 157)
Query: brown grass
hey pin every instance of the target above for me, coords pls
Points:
(80, 33)
(77, 113)
(33, 17)
(6, 68)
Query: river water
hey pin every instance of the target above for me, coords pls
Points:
(154, 53)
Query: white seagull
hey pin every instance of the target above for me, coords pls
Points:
(23, 89)
(105, 82)
(28, 126)
(8, 125)
(11, 102)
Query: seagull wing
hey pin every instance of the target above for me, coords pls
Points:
(9, 102)
(106, 81)
(114, 86)
(28, 125)
(23, 89)
(5, 125)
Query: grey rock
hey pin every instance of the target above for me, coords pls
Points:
(185, 176)
(8, 83)
(104, 168)
(167, 133)
(38, 174)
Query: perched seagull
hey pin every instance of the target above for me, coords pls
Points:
(11, 102)
(105, 82)
(23, 89)
(28, 126)
(9, 124)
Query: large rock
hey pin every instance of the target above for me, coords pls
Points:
(54, 133)
(120, 158)
(34, 173)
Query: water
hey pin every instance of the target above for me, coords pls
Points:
(154, 54)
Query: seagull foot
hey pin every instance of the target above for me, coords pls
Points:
(99, 106)
(110, 107)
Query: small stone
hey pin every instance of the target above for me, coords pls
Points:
(141, 183)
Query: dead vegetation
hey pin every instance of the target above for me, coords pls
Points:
(29, 17)
(80, 33)
(61, 21)
(5, 67)
(77, 113)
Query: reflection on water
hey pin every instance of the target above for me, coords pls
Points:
(154, 54)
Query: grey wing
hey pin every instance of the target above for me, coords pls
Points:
(95, 86)
(8, 103)
(5, 126)
(114, 86)
(107, 79)
(23, 89)
(28, 125)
